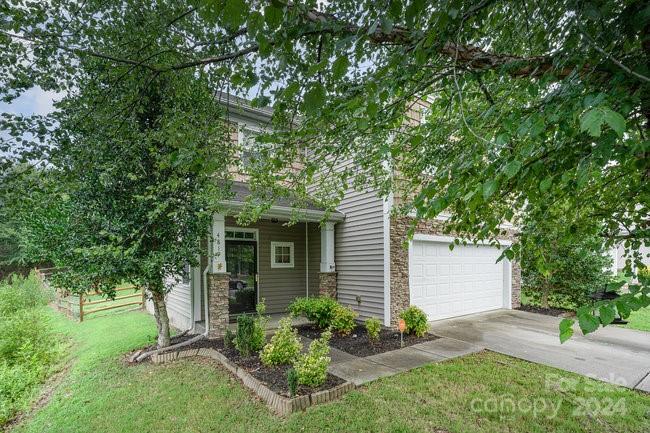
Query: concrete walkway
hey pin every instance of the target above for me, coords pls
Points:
(363, 370)
(612, 354)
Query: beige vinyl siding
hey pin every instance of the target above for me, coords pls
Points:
(179, 306)
(314, 258)
(359, 253)
(279, 286)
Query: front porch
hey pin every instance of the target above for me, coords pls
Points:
(273, 259)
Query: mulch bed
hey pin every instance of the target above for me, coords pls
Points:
(358, 343)
(556, 312)
(274, 378)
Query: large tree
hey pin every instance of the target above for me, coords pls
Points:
(520, 105)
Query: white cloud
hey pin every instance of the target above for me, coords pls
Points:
(33, 101)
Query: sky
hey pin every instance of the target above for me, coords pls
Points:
(33, 101)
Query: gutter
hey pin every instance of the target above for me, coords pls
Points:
(284, 212)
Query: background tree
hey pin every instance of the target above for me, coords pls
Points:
(565, 272)
(520, 104)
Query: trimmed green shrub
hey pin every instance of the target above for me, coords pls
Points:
(284, 346)
(373, 327)
(415, 320)
(229, 339)
(250, 335)
(319, 310)
(311, 367)
(343, 321)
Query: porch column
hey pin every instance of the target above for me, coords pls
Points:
(218, 280)
(327, 275)
(218, 257)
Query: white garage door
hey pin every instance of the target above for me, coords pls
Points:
(467, 280)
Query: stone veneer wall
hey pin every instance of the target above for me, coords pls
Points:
(327, 284)
(399, 263)
(218, 304)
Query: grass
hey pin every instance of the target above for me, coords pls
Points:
(639, 319)
(469, 394)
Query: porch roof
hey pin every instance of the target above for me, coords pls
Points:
(282, 207)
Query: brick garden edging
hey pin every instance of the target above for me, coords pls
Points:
(279, 404)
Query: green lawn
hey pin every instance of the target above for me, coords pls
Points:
(476, 393)
(639, 320)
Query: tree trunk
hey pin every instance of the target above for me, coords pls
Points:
(162, 320)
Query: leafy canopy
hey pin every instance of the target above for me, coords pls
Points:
(489, 111)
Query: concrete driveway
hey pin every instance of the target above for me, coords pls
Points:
(611, 354)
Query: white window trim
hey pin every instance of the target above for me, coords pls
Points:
(291, 254)
(240, 229)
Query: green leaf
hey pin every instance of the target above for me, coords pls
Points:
(545, 185)
(591, 121)
(606, 313)
(623, 308)
(512, 168)
(587, 321)
(566, 329)
(273, 16)
(314, 98)
(340, 67)
(234, 12)
(489, 188)
(614, 120)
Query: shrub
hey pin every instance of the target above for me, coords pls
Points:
(29, 349)
(292, 381)
(343, 320)
(559, 271)
(311, 367)
(245, 335)
(373, 326)
(229, 339)
(259, 326)
(284, 346)
(415, 321)
(319, 310)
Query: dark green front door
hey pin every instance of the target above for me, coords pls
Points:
(241, 265)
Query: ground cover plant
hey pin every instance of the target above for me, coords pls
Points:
(29, 350)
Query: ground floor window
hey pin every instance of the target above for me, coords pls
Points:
(282, 254)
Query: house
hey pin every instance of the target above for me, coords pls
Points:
(356, 255)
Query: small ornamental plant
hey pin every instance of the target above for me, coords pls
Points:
(244, 339)
(415, 320)
(284, 346)
(292, 381)
(319, 310)
(311, 367)
(343, 321)
(373, 327)
(229, 339)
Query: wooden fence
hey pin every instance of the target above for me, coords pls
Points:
(80, 306)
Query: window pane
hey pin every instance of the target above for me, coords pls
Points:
(229, 234)
(248, 235)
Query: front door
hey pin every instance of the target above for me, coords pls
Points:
(241, 265)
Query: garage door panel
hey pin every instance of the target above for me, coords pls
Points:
(447, 283)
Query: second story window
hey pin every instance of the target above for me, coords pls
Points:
(249, 146)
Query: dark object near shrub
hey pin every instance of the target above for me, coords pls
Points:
(229, 339)
(244, 341)
(415, 320)
(292, 381)
(319, 310)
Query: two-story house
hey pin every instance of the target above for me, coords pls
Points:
(357, 255)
